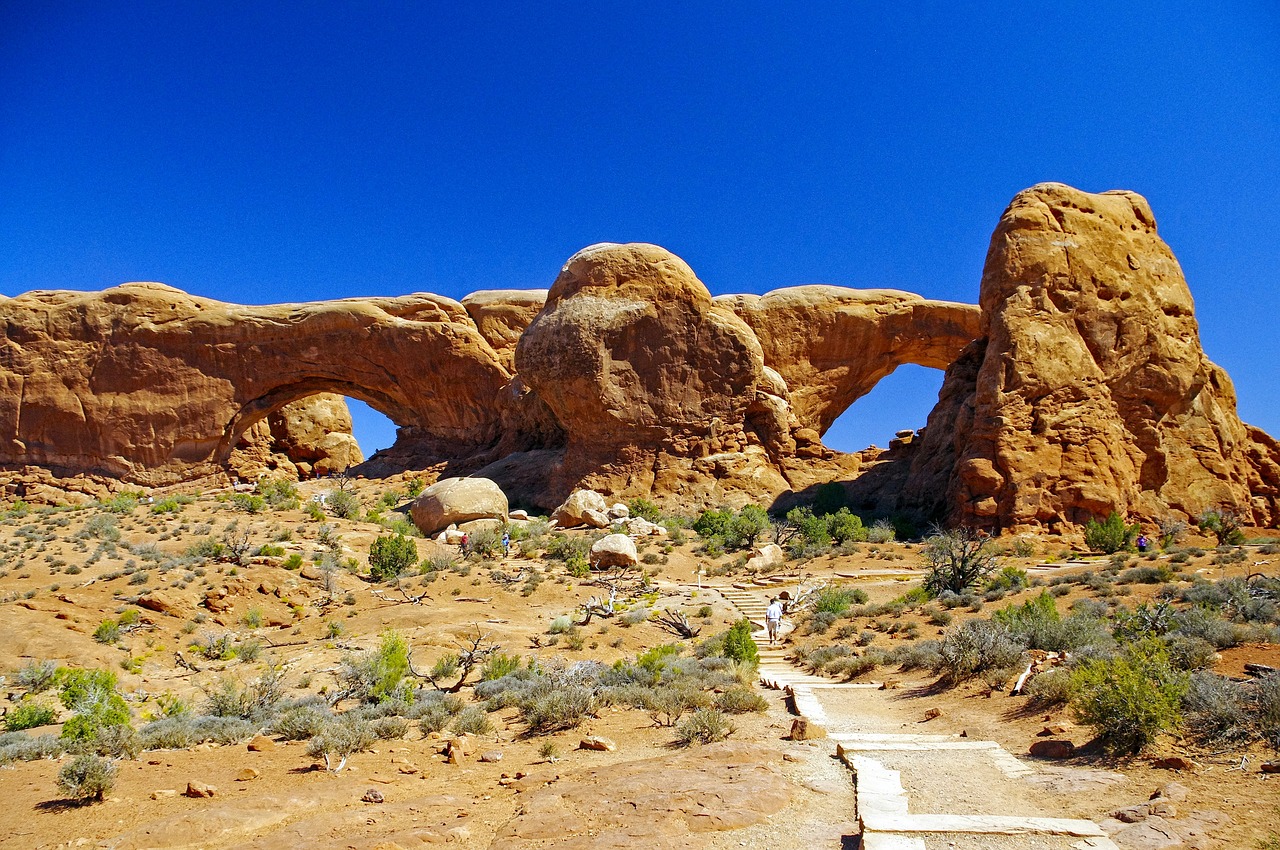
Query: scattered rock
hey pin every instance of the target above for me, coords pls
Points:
(373, 795)
(1174, 763)
(614, 550)
(596, 742)
(1055, 729)
(1175, 791)
(1053, 749)
(261, 744)
(803, 729)
(932, 714)
(163, 793)
(200, 789)
(491, 757)
(166, 601)
(458, 834)
(1271, 767)
(247, 774)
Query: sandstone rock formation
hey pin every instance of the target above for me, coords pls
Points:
(148, 384)
(1088, 390)
(1077, 385)
(613, 550)
(831, 345)
(457, 501)
(305, 438)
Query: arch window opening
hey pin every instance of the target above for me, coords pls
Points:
(372, 429)
(312, 436)
(903, 399)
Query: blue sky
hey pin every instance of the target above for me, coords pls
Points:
(282, 152)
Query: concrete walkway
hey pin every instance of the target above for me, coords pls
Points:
(963, 793)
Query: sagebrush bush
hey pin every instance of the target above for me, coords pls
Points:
(976, 646)
(1131, 699)
(301, 722)
(740, 700)
(389, 728)
(473, 720)
(87, 778)
(704, 726)
(1050, 688)
(1218, 710)
(28, 715)
(551, 709)
(338, 739)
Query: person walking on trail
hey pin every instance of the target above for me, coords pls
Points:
(773, 618)
(506, 543)
(462, 544)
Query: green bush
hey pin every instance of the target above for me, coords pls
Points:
(550, 708)
(644, 509)
(108, 631)
(248, 503)
(974, 647)
(1131, 699)
(343, 504)
(500, 664)
(958, 559)
(724, 529)
(280, 494)
(846, 527)
(338, 739)
(829, 498)
(391, 556)
(87, 778)
(1009, 579)
(1110, 535)
(740, 699)
(28, 715)
(837, 600)
(739, 646)
(1222, 524)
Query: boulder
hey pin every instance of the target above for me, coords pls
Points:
(614, 550)
(598, 743)
(618, 511)
(641, 527)
(195, 788)
(583, 507)
(766, 558)
(1053, 749)
(456, 501)
(803, 729)
(167, 601)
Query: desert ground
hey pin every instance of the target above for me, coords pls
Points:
(238, 624)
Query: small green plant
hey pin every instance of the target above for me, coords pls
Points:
(704, 726)
(108, 631)
(390, 556)
(739, 646)
(28, 715)
(1223, 524)
(343, 504)
(87, 778)
(1111, 535)
(248, 503)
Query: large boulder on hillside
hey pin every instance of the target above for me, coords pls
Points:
(1088, 391)
(456, 501)
(613, 550)
(766, 557)
(583, 507)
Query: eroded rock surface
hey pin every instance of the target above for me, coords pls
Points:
(305, 438)
(1088, 390)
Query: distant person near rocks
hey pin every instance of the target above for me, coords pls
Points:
(462, 545)
(506, 543)
(1142, 542)
(773, 618)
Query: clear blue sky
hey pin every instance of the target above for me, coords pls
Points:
(262, 152)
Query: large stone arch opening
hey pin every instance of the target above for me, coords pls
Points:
(900, 400)
(256, 410)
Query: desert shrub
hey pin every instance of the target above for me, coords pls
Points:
(37, 676)
(207, 548)
(1050, 688)
(484, 542)
(740, 699)
(1189, 653)
(92, 695)
(668, 703)
(976, 646)
(846, 527)
(87, 778)
(1218, 709)
(473, 720)
(177, 733)
(389, 728)
(390, 556)
(249, 503)
(1202, 622)
(101, 527)
(1146, 575)
(18, 746)
(1130, 699)
(1267, 710)
(338, 739)
(28, 715)
(1223, 524)
(1145, 620)
(548, 708)
(108, 631)
(500, 664)
(852, 667)
(1008, 579)
(280, 494)
(729, 531)
(882, 531)
(1110, 535)
(739, 646)
(837, 600)
(123, 503)
(345, 505)
(704, 726)
(434, 716)
(644, 509)
(958, 559)
(300, 722)
(376, 675)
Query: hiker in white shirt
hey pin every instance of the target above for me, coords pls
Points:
(773, 618)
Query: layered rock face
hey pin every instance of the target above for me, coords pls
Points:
(1077, 386)
(148, 384)
(1088, 390)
